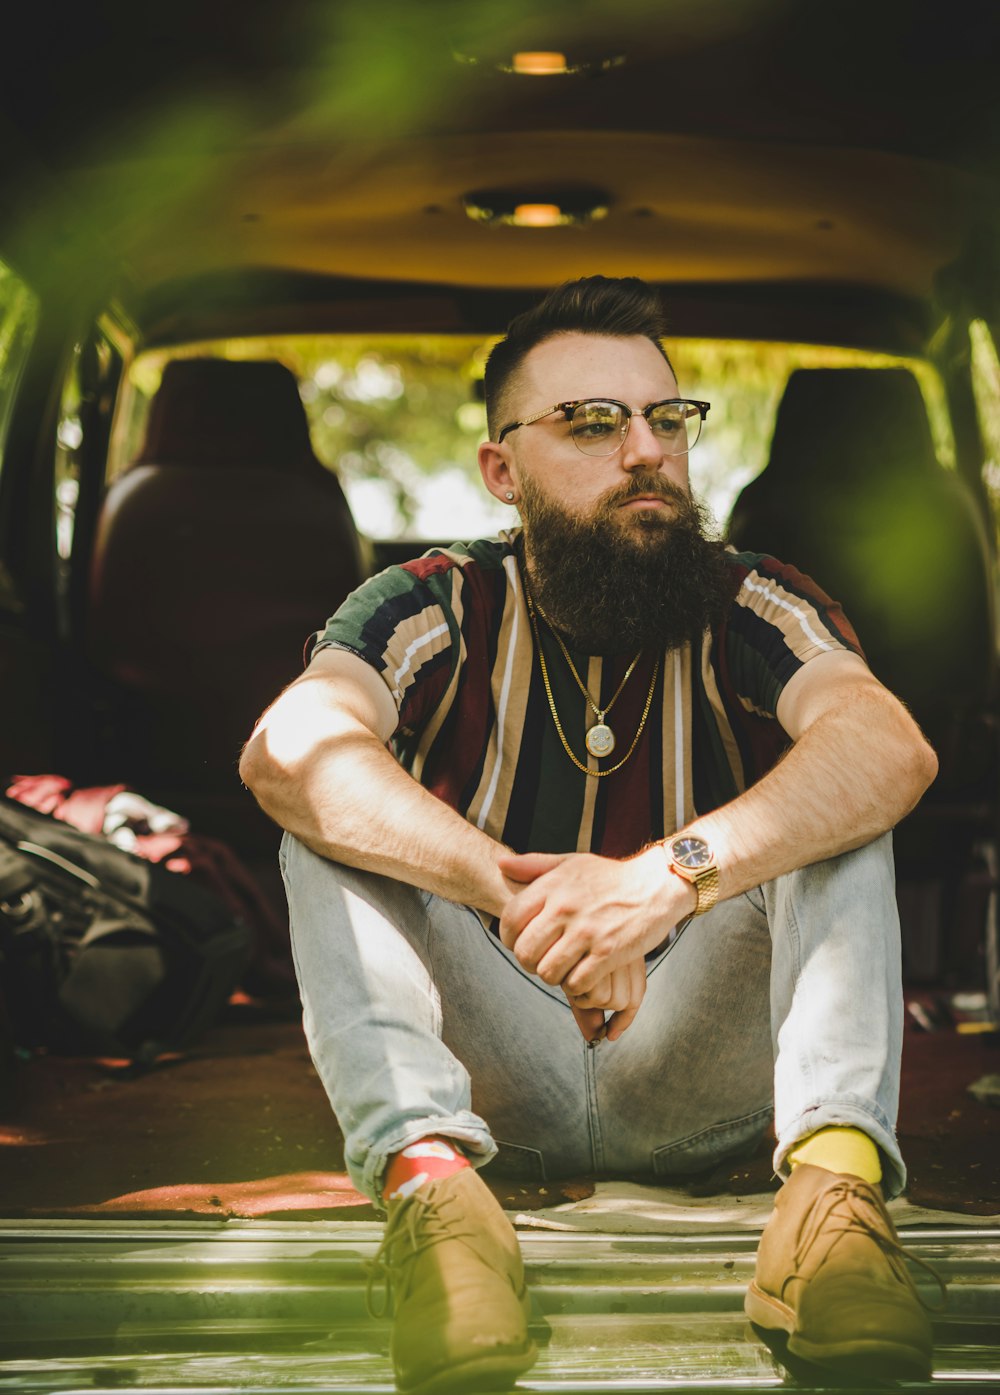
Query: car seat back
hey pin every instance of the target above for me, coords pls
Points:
(216, 555)
(854, 496)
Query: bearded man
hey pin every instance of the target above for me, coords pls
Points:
(588, 862)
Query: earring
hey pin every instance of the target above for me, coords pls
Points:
(510, 496)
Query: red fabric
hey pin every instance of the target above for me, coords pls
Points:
(54, 794)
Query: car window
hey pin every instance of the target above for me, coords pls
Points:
(986, 386)
(85, 406)
(18, 322)
(400, 418)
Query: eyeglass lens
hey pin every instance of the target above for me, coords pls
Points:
(599, 428)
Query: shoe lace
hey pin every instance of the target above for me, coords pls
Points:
(860, 1212)
(418, 1224)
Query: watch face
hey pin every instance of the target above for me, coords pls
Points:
(690, 852)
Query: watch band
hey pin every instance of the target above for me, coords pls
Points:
(692, 859)
(706, 887)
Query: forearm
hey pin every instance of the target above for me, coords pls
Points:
(350, 801)
(852, 775)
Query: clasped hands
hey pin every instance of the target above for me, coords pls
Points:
(584, 923)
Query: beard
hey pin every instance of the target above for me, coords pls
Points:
(614, 583)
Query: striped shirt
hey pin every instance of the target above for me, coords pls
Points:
(451, 637)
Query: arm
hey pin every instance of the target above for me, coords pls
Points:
(318, 765)
(857, 765)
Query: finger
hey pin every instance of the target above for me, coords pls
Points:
(525, 867)
(598, 997)
(589, 1020)
(519, 911)
(613, 993)
(534, 943)
(624, 1017)
(572, 964)
(581, 976)
(619, 1022)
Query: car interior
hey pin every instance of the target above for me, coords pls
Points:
(250, 267)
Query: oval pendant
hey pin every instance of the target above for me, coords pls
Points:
(600, 740)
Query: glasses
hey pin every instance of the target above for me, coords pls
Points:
(599, 425)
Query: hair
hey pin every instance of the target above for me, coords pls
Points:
(621, 307)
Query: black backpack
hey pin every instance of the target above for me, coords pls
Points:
(102, 952)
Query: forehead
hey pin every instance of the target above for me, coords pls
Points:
(570, 366)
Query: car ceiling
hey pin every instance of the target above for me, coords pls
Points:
(749, 143)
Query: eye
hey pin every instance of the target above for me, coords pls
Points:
(594, 430)
(596, 421)
(668, 421)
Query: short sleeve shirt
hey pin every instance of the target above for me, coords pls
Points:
(451, 637)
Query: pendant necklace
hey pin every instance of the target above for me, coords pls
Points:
(600, 739)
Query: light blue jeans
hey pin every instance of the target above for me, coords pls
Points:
(784, 1000)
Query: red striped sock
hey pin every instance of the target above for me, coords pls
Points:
(421, 1162)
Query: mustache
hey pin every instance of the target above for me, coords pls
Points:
(639, 486)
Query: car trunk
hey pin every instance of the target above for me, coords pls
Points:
(192, 1227)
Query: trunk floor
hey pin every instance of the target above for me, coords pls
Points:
(240, 1127)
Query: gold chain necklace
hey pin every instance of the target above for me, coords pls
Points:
(600, 739)
(600, 727)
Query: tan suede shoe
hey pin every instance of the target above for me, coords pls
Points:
(831, 1273)
(460, 1303)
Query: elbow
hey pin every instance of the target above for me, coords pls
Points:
(917, 768)
(248, 766)
(925, 765)
(254, 766)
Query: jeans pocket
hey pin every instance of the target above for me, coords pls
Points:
(518, 1163)
(756, 898)
(702, 1149)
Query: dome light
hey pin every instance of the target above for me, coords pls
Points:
(543, 62)
(539, 64)
(566, 206)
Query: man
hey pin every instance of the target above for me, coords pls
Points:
(589, 909)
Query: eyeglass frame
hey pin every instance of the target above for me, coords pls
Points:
(569, 407)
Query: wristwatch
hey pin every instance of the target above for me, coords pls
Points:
(691, 858)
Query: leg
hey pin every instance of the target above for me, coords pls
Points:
(371, 957)
(691, 1081)
(831, 1274)
(414, 1013)
(836, 1001)
(372, 1013)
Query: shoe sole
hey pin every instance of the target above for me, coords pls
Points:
(861, 1357)
(496, 1372)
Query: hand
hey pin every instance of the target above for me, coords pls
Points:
(621, 993)
(580, 919)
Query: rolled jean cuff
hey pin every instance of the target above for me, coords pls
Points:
(367, 1172)
(850, 1113)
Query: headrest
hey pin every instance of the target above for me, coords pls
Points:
(218, 413)
(852, 423)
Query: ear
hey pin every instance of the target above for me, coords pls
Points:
(498, 471)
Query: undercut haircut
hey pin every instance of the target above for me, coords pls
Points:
(621, 307)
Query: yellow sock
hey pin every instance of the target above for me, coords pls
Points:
(839, 1148)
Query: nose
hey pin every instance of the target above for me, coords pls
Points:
(640, 450)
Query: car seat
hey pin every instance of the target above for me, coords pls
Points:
(216, 555)
(854, 496)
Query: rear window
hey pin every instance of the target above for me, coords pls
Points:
(399, 418)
